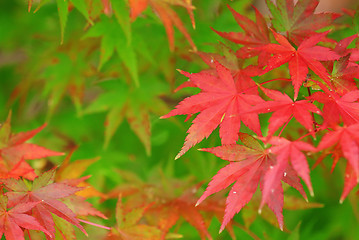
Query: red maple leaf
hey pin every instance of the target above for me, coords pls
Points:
(11, 221)
(14, 150)
(347, 139)
(247, 168)
(306, 56)
(255, 34)
(286, 152)
(242, 77)
(285, 109)
(338, 107)
(47, 195)
(341, 48)
(223, 102)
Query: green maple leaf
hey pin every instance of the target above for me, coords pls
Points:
(63, 11)
(135, 105)
(128, 226)
(114, 39)
(64, 75)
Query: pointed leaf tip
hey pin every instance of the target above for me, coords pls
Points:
(311, 193)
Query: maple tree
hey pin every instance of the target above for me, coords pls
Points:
(275, 97)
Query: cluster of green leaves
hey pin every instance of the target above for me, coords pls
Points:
(100, 73)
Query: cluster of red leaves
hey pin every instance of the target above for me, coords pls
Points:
(229, 96)
(30, 202)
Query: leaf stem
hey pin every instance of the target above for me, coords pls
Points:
(94, 224)
(285, 125)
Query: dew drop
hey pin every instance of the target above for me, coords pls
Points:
(292, 104)
(271, 167)
(212, 61)
(234, 192)
(340, 44)
(284, 174)
(272, 190)
(268, 109)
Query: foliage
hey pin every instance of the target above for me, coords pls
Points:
(281, 88)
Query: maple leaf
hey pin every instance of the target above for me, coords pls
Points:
(64, 75)
(47, 195)
(338, 107)
(58, 74)
(70, 172)
(127, 226)
(14, 151)
(285, 109)
(343, 74)
(184, 206)
(63, 11)
(306, 56)
(286, 151)
(241, 76)
(165, 207)
(248, 166)
(135, 105)
(342, 45)
(222, 102)
(167, 15)
(11, 220)
(113, 40)
(255, 34)
(347, 139)
(298, 20)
